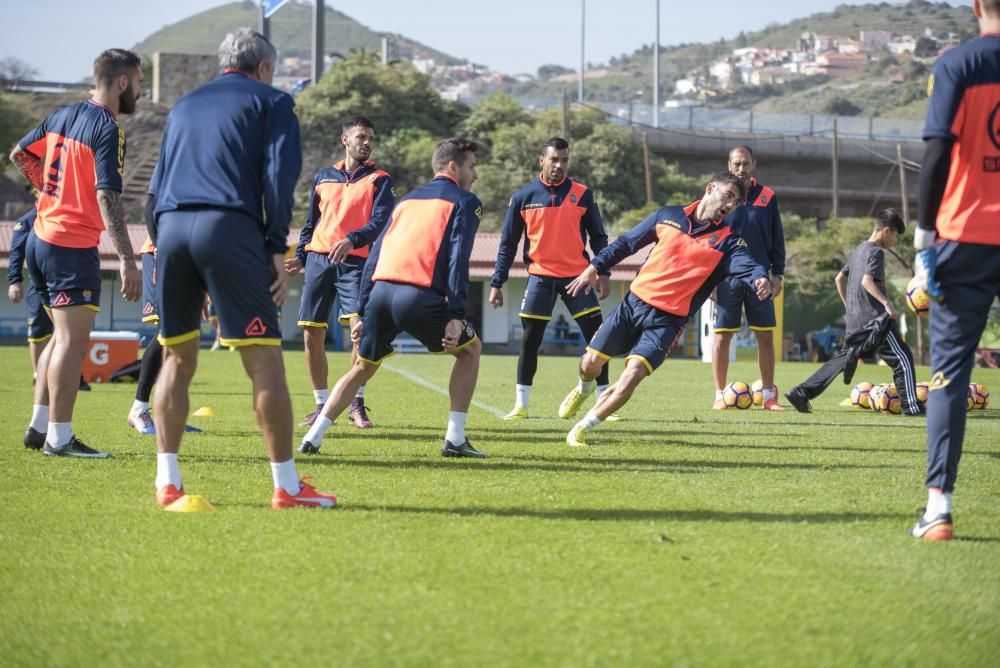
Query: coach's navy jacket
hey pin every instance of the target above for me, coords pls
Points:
(18, 242)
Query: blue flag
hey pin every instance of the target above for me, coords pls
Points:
(271, 6)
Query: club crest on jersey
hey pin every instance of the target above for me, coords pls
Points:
(713, 239)
(86, 295)
(763, 199)
(572, 198)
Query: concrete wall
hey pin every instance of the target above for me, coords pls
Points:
(175, 74)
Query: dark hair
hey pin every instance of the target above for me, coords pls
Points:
(557, 143)
(726, 176)
(889, 218)
(742, 147)
(991, 7)
(453, 148)
(113, 63)
(357, 121)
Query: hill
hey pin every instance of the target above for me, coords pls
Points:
(888, 85)
(291, 32)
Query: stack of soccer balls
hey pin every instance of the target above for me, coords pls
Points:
(740, 395)
(885, 399)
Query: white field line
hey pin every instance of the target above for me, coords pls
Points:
(437, 388)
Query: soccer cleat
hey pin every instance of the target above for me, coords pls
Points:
(772, 405)
(939, 528)
(307, 497)
(576, 437)
(168, 494)
(216, 346)
(571, 404)
(75, 448)
(359, 414)
(309, 419)
(719, 405)
(801, 404)
(33, 439)
(463, 450)
(84, 385)
(516, 414)
(142, 422)
(191, 429)
(307, 448)
(614, 417)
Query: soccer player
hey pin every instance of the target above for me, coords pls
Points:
(39, 323)
(957, 244)
(694, 250)
(351, 203)
(759, 224)
(556, 216)
(75, 159)
(417, 280)
(228, 164)
(871, 321)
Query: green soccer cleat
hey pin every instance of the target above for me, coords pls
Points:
(571, 404)
(516, 414)
(614, 417)
(577, 437)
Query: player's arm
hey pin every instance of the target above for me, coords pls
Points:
(933, 180)
(627, 244)
(29, 156)
(382, 206)
(510, 236)
(741, 264)
(18, 242)
(281, 168)
(463, 234)
(367, 272)
(875, 271)
(777, 247)
(594, 225)
(297, 263)
(841, 282)
(109, 164)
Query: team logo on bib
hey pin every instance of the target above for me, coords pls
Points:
(572, 198)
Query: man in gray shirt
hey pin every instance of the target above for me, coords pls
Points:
(871, 321)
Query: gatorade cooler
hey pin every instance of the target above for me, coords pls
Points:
(108, 352)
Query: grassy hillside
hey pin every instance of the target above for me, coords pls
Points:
(291, 32)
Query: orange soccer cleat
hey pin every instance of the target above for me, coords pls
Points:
(307, 497)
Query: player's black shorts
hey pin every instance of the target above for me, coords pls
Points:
(540, 298)
(325, 281)
(732, 297)
(150, 313)
(222, 251)
(39, 322)
(64, 276)
(399, 307)
(643, 331)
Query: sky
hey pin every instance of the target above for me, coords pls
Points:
(511, 36)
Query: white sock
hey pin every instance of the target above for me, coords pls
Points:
(938, 503)
(59, 433)
(521, 395)
(285, 476)
(600, 390)
(321, 396)
(718, 395)
(317, 430)
(167, 472)
(456, 427)
(585, 387)
(139, 407)
(39, 418)
(589, 421)
(769, 393)
(360, 393)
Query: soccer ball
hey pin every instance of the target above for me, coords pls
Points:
(875, 397)
(917, 298)
(757, 388)
(737, 395)
(889, 401)
(921, 390)
(979, 396)
(861, 395)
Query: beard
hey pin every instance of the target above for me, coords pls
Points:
(127, 101)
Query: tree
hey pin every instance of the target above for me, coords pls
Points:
(925, 47)
(14, 70)
(546, 72)
(491, 113)
(16, 119)
(841, 106)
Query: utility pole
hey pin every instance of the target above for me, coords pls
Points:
(656, 70)
(583, 32)
(902, 184)
(565, 115)
(319, 30)
(265, 23)
(645, 167)
(836, 208)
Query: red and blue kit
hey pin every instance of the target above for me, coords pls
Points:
(355, 205)
(417, 276)
(39, 322)
(689, 259)
(224, 184)
(555, 221)
(758, 222)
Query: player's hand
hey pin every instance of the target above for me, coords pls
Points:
(496, 297)
(603, 287)
(293, 266)
(763, 288)
(776, 285)
(585, 281)
(16, 292)
(279, 288)
(925, 265)
(452, 331)
(340, 250)
(204, 308)
(356, 330)
(131, 281)
(891, 310)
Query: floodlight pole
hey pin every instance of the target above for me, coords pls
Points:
(583, 25)
(265, 23)
(656, 70)
(318, 33)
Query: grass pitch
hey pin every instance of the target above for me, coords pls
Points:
(681, 536)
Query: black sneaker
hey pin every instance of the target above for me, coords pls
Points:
(308, 448)
(463, 450)
(75, 448)
(84, 385)
(801, 404)
(939, 528)
(34, 439)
